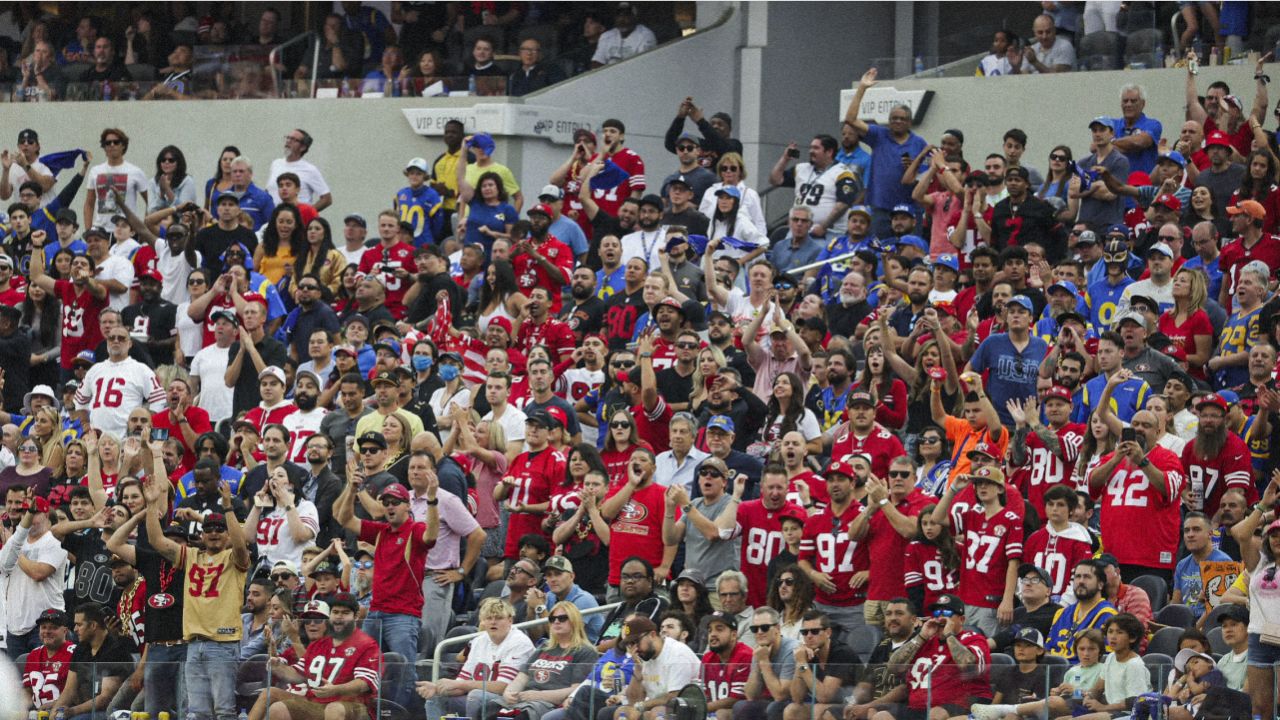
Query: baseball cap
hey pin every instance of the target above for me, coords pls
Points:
(1168, 201)
(1275, 525)
(689, 137)
(1019, 171)
(902, 209)
(325, 568)
(1040, 572)
(861, 397)
(389, 345)
(1162, 248)
(991, 475)
(636, 628)
(85, 356)
(720, 422)
(948, 602)
(384, 376)
(1231, 611)
(28, 136)
(914, 241)
(841, 467)
(722, 617)
(13, 312)
(1132, 317)
(543, 208)
(1030, 635)
(372, 437)
(1107, 559)
(862, 210)
(1173, 157)
(315, 609)
(730, 191)
(692, 576)
(66, 215)
(1057, 392)
(1213, 399)
(345, 350)
(656, 201)
(559, 563)
(1087, 237)
(483, 142)
(1252, 208)
(418, 164)
(982, 449)
(346, 600)
(52, 615)
(1186, 654)
(583, 133)
(216, 520)
(97, 230)
(272, 371)
(557, 415)
(947, 261)
(1102, 120)
(395, 490)
(1063, 285)
(1119, 229)
(1219, 138)
(542, 418)
(555, 192)
(716, 464)
(1022, 301)
(1231, 396)
(151, 275)
(355, 218)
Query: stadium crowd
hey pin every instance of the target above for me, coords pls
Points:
(256, 458)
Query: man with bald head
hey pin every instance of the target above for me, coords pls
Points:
(1141, 488)
(1049, 53)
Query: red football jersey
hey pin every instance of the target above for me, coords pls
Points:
(888, 548)
(1058, 553)
(1044, 469)
(761, 531)
(827, 547)
(934, 676)
(987, 546)
(726, 680)
(132, 612)
(1208, 479)
(1235, 255)
(262, 417)
(80, 329)
(616, 462)
(399, 561)
(652, 426)
(664, 353)
(531, 274)
(967, 499)
(385, 261)
(817, 488)
(610, 200)
(1140, 526)
(923, 566)
(880, 445)
(637, 530)
(534, 475)
(553, 333)
(357, 658)
(45, 673)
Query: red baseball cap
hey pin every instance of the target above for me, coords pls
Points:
(1213, 399)
(1168, 201)
(152, 274)
(1057, 392)
(1217, 137)
(501, 322)
(395, 490)
(253, 297)
(842, 467)
(983, 449)
(793, 512)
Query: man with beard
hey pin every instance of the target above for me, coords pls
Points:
(387, 400)
(275, 450)
(537, 325)
(431, 279)
(726, 665)
(903, 320)
(342, 669)
(684, 276)
(1090, 610)
(154, 318)
(541, 397)
(1129, 394)
(824, 666)
(624, 307)
(663, 668)
(306, 421)
(609, 277)
(827, 277)
(99, 664)
(849, 307)
(1141, 486)
(638, 598)
(827, 556)
(542, 260)
(1023, 218)
(646, 242)
(1188, 586)
(1233, 508)
(1043, 456)
(862, 435)
(341, 423)
(586, 315)
(884, 529)
(45, 673)
(1217, 459)
(720, 333)
(254, 617)
(183, 421)
(321, 486)
(883, 686)
(133, 591)
(667, 315)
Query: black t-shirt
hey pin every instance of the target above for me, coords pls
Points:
(1016, 686)
(163, 608)
(424, 306)
(673, 387)
(842, 662)
(15, 358)
(158, 321)
(93, 582)
(585, 318)
(247, 394)
(212, 241)
(620, 314)
(112, 660)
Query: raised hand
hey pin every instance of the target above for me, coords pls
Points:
(868, 78)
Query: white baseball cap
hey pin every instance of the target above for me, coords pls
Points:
(419, 164)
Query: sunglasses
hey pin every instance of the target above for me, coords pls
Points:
(687, 345)
(275, 577)
(788, 581)
(686, 148)
(634, 577)
(313, 621)
(729, 168)
(623, 364)
(168, 159)
(1170, 238)
(363, 564)
(1059, 158)
(106, 143)
(118, 338)
(620, 424)
(29, 448)
(392, 502)
(900, 474)
(558, 618)
(930, 439)
(943, 613)
(812, 631)
(762, 628)
(370, 450)
(710, 472)
(308, 287)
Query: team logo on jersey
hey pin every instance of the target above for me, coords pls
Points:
(633, 512)
(349, 651)
(999, 530)
(160, 601)
(541, 675)
(56, 666)
(100, 558)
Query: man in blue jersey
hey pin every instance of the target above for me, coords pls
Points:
(1012, 359)
(1104, 295)
(1229, 367)
(420, 205)
(1127, 398)
(889, 146)
(1204, 240)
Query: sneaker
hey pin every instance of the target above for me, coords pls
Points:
(986, 712)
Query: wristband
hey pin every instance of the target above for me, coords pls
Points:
(884, 501)
(433, 502)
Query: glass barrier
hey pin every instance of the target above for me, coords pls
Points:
(212, 679)
(243, 83)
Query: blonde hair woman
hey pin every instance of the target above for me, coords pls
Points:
(500, 646)
(46, 430)
(557, 668)
(732, 171)
(1186, 323)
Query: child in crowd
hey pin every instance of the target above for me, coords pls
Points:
(1080, 680)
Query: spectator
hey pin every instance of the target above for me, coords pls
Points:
(1022, 218)
(827, 187)
(99, 663)
(1099, 207)
(500, 649)
(1222, 176)
(1050, 53)
(1090, 610)
(1229, 366)
(957, 657)
(886, 527)
(1188, 585)
(533, 74)
(104, 67)
(552, 674)
(999, 60)
(32, 562)
(314, 190)
(636, 593)
(1060, 544)
(626, 39)
(887, 147)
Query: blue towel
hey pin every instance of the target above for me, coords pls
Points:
(59, 161)
(609, 177)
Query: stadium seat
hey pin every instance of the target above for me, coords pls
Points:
(388, 710)
(1099, 51)
(394, 667)
(1156, 588)
(251, 676)
(1140, 48)
(864, 639)
(1158, 664)
(1057, 668)
(142, 72)
(1214, 619)
(1178, 616)
(1216, 643)
(1001, 666)
(1165, 641)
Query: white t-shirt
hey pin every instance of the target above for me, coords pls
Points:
(612, 47)
(190, 332)
(102, 179)
(1124, 679)
(497, 663)
(313, 184)
(646, 245)
(210, 365)
(673, 668)
(111, 390)
(512, 422)
(352, 256)
(302, 425)
(125, 249)
(274, 536)
(26, 598)
(116, 268)
(174, 269)
(441, 398)
(19, 175)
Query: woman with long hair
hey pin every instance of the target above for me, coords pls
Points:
(566, 652)
(500, 296)
(397, 431)
(345, 297)
(567, 494)
(730, 220)
(62, 264)
(221, 180)
(426, 70)
(1259, 183)
(705, 371)
(1063, 182)
(75, 465)
(105, 466)
(887, 391)
(281, 238)
(42, 317)
(933, 460)
(1098, 441)
(689, 595)
(1186, 323)
(454, 392)
(731, 169)
(319, 256)
(791, 594)
(46, 430)
(583, 534)
(932, 565)
(488, 214)
(786, 413)
(930, 358)
(480, 445)
(620, 443)
(171, 186)
(1200, 208)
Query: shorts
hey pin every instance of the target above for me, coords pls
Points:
(301, 708)
(1261, 654)
(908, 713)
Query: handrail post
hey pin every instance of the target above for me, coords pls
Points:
(275, 54)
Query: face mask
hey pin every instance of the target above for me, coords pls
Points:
(448, 372)
(422, 363)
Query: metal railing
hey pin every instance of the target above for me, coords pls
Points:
(273, 58)
(463, 639)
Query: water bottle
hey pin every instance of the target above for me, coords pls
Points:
(919, 67)
(471, 84)
(617, 681)
(60, 714)
(106, 90)
(1159, 59)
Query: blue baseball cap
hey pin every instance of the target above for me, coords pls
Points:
(85, 356)
(1231, 396)
(483, 141)
(914, 241)
(1102, 120)
(720, 422)
(1175, 157)
(1118, 229)
(903, 209)
(1021, 300)
(1065, 285)
(729, 190)
(862, 210)
(948, 261)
